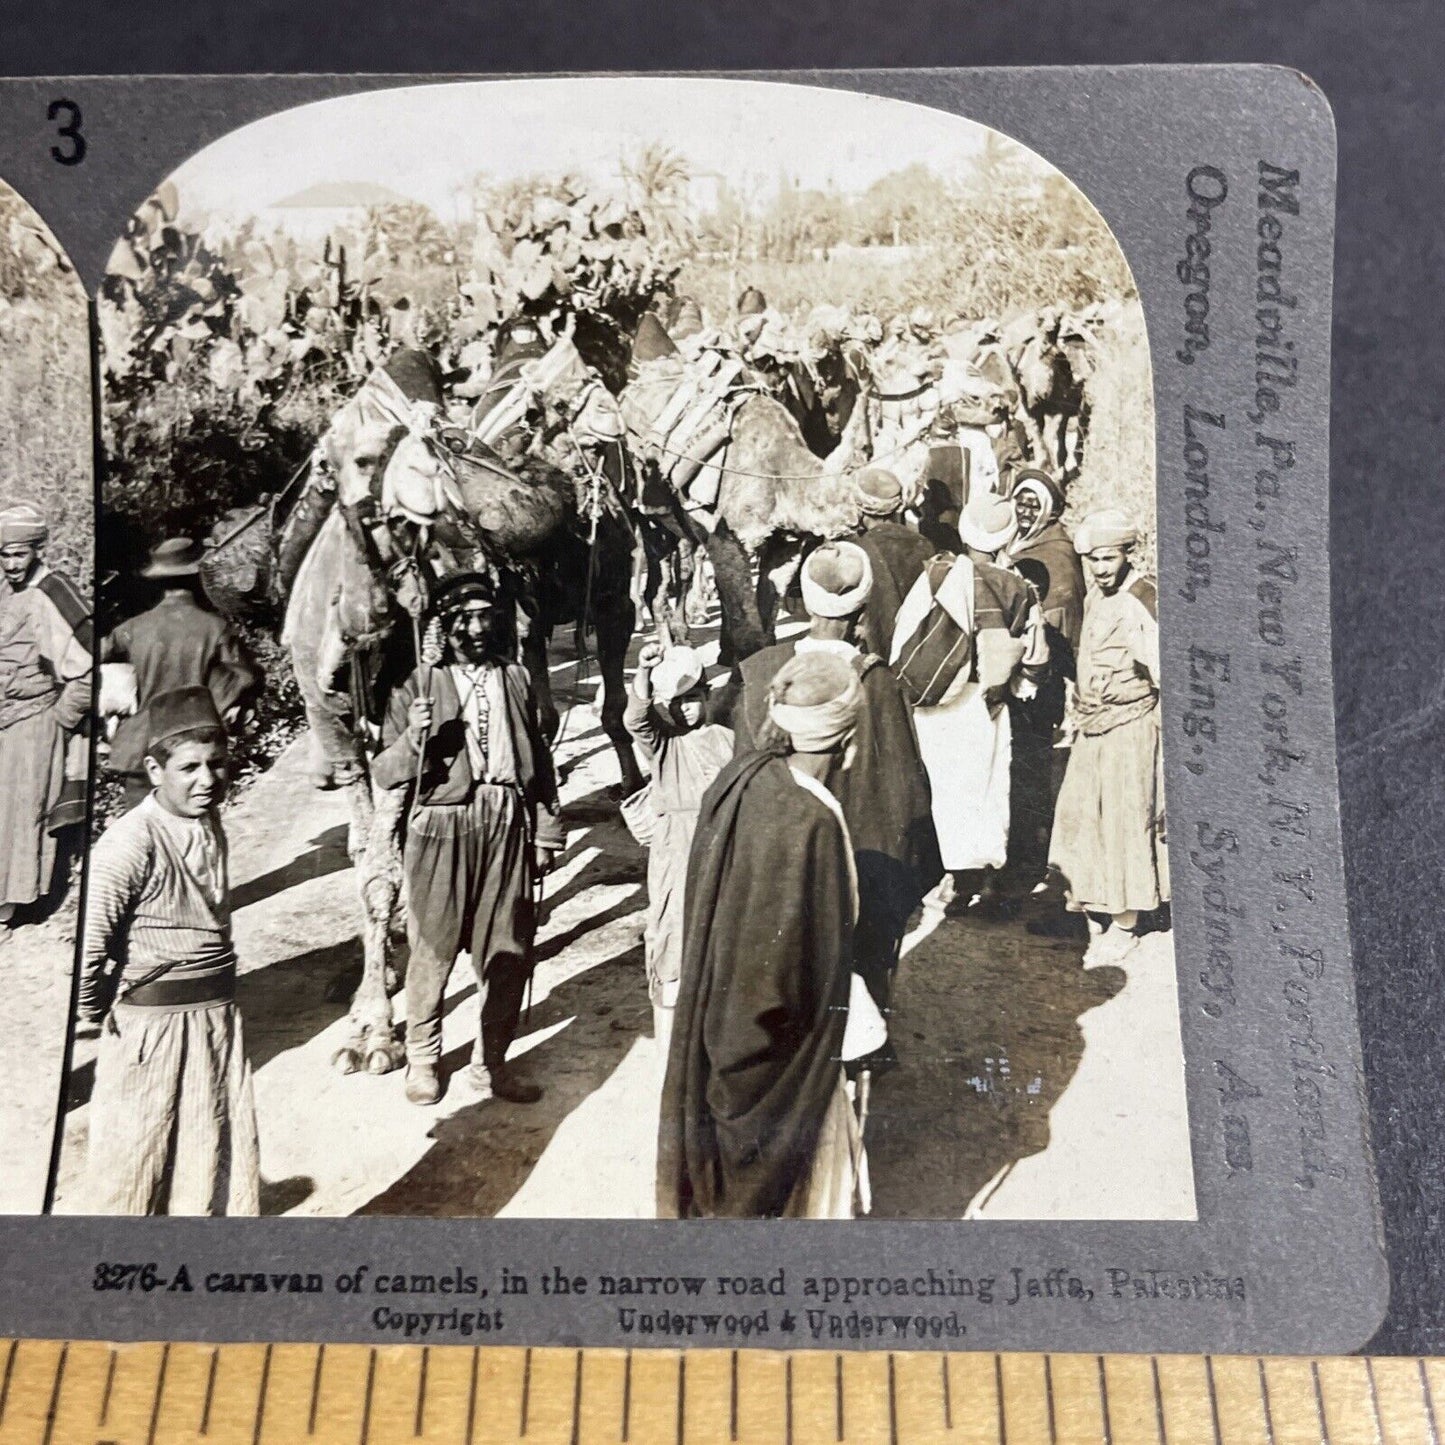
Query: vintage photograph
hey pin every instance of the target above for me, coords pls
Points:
(629, 674)
(46, 569)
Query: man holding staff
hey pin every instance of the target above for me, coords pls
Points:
(463, 730)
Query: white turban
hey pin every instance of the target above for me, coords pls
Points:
(829, 693)
(1110, 527)
(837, 578)
(23, 523)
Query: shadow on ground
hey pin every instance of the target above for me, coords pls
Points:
(986, 1023)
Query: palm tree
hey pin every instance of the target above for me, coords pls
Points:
(657, 180)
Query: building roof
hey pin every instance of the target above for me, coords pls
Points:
(342, 195)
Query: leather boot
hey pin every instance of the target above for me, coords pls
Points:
(423, 1085)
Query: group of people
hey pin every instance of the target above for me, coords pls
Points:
(956, 729)
(46, 648)
(874, 768)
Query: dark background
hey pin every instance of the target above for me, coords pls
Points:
(1381, 66)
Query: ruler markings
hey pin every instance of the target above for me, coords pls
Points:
(732, 1399)
(366, 1398)
(1320, 1402)
(998, 1395)
(1104, 1403)
(1158, 1401)
(154, 1394)
(106, 1389)
(1049, 1400)
(1425, 1395)
(627, 1398)
(315, 1389)
(526, 1388)
(788, 1400)
(205, 1425)
(1213, 1399)
(5, 1385)
(577, 1400)
(682, 1397)
(160, 1390)
(1375, 1401)
(261, 1397)
(53, 1408)
(1264, 1401)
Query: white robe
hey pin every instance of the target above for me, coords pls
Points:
(966, 749)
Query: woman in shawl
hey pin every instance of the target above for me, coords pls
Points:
(664, 713)
(1109, 838)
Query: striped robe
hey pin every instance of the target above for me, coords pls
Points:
(172, 1114)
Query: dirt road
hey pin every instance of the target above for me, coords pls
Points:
(1011, 1050)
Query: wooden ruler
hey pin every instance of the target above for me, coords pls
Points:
(81, 1393)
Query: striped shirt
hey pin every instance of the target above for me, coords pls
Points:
(157, 898)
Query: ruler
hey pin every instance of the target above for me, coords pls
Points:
(85, 1393)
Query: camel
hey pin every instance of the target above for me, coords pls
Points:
(1049, 359)
(396, 498)
(772, 493)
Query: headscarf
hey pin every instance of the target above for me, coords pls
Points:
(815, 699)
(1050, 498)
(23, 522)
(836, 580)
(1108, 527)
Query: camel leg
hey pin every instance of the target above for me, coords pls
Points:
(534, 659)
(694, 584)
(372, 1043)
(615, 624)
(744, 631)
(1038, 443)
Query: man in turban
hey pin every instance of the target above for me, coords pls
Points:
(1043, 554)
(896, 553)
(485, 822)
(46, 657)
(755, 1116)
(884, 791)
(1109, 834)
(968, 637)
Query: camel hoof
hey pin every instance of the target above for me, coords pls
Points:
(346, 1060)
(384, 1058)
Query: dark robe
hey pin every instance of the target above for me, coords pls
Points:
(886, 803)
(754, 1060)
(177, 643)
(944, 496)
(1051, 564)
(897, 555)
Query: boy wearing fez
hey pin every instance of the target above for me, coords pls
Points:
(485, 822)
(173, 1120)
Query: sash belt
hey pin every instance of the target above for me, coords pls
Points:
(173, 992)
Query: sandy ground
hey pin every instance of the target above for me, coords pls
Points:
(1030, 1087)
(35, 964)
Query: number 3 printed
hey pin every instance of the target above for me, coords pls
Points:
(69, 131)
